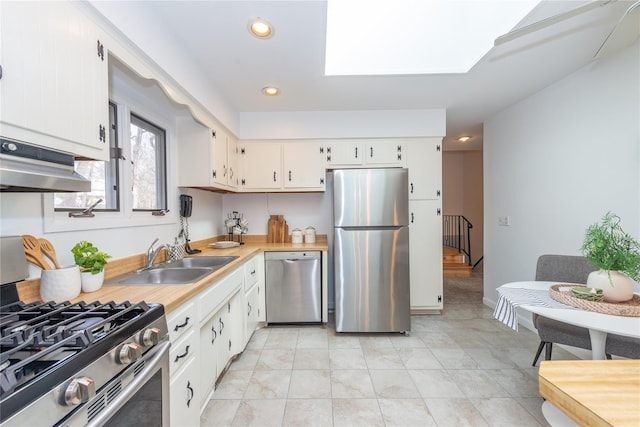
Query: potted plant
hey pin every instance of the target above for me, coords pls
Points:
(91, 262)
(616, 254)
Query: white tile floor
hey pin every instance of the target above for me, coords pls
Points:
(461, 368)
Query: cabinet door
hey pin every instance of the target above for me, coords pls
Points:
(208, 357)
(195, 154)
(232, 162)
(261, 166)
(344, 154)
(383, 153)
(54, 89)
(424, 160)
(252, 312)
(184, 406)
(236, 314)
(425, 254)
(302, 166)
(219, 161)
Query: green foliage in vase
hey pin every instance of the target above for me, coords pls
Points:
(88, 257)
(608, 247)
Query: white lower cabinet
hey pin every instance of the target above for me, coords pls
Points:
(253, 290)
(184, 406)
(184, 386)
(206, 333)
(208, 357)
(425, 254)
(252, 311)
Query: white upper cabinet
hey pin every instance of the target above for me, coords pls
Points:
(349, 154)
(225, 159)
(281, 166)
(261, 165)
(54, 85)
(344, 154)
(302, 166)
(383, 153)
(207, 157)
(424, 161)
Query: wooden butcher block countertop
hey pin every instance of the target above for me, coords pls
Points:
(594, 392)
(171, 296)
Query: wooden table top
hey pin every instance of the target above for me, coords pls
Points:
(594, 392)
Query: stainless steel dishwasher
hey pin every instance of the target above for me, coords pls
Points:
(293, 287)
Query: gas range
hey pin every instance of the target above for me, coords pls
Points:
(64, 364)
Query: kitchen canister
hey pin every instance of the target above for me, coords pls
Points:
(61, 284)
(296, 236)
(309, 235)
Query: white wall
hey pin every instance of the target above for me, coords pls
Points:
(453, 183)
(556, 162)
(343, 124)
(163, 49)
(299, 210)
(22, 213)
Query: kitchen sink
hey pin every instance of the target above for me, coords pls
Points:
(167, 276)
(214, 262)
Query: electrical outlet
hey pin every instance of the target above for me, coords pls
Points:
(504, 221)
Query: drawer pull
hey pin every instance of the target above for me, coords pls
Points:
(180, 356)
(214, 334)
(249, 311)
(182, 325)
(189, 393)
(221, 326)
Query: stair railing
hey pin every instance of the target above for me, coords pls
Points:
(456, 234)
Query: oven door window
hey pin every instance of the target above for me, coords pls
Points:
(144, 408)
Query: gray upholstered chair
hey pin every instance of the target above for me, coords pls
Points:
(561, 268)
(622, 346)
(573, 269)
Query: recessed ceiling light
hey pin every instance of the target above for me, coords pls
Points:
(270, 91)
(260, 28)
(464, 138)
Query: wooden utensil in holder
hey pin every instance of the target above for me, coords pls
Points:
(33, 252)
(47, 248)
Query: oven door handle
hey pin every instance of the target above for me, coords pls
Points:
(160, 356)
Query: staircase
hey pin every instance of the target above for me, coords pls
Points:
(455, 264)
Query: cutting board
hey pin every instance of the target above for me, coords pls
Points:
(277, 229)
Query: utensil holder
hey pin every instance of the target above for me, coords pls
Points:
(175, 253)
(60, 285)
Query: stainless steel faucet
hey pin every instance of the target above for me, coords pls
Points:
(152, 254)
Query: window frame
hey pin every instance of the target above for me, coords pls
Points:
(59, 221)
(161, 162)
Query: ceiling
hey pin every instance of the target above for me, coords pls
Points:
(215, 34)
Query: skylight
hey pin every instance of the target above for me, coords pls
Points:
(378, 37)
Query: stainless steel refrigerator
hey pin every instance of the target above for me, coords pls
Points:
(371, 250)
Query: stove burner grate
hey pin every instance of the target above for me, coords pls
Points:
(37, 337)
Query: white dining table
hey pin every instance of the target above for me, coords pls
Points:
(598, 324)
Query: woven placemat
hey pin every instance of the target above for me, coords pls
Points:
(628, 308)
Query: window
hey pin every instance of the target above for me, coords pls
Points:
(148, 160)
(104, 177)
(144, 171)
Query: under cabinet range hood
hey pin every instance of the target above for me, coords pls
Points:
(26, 168)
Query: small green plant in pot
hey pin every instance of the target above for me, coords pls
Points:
(617, 255)
(91, 262)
